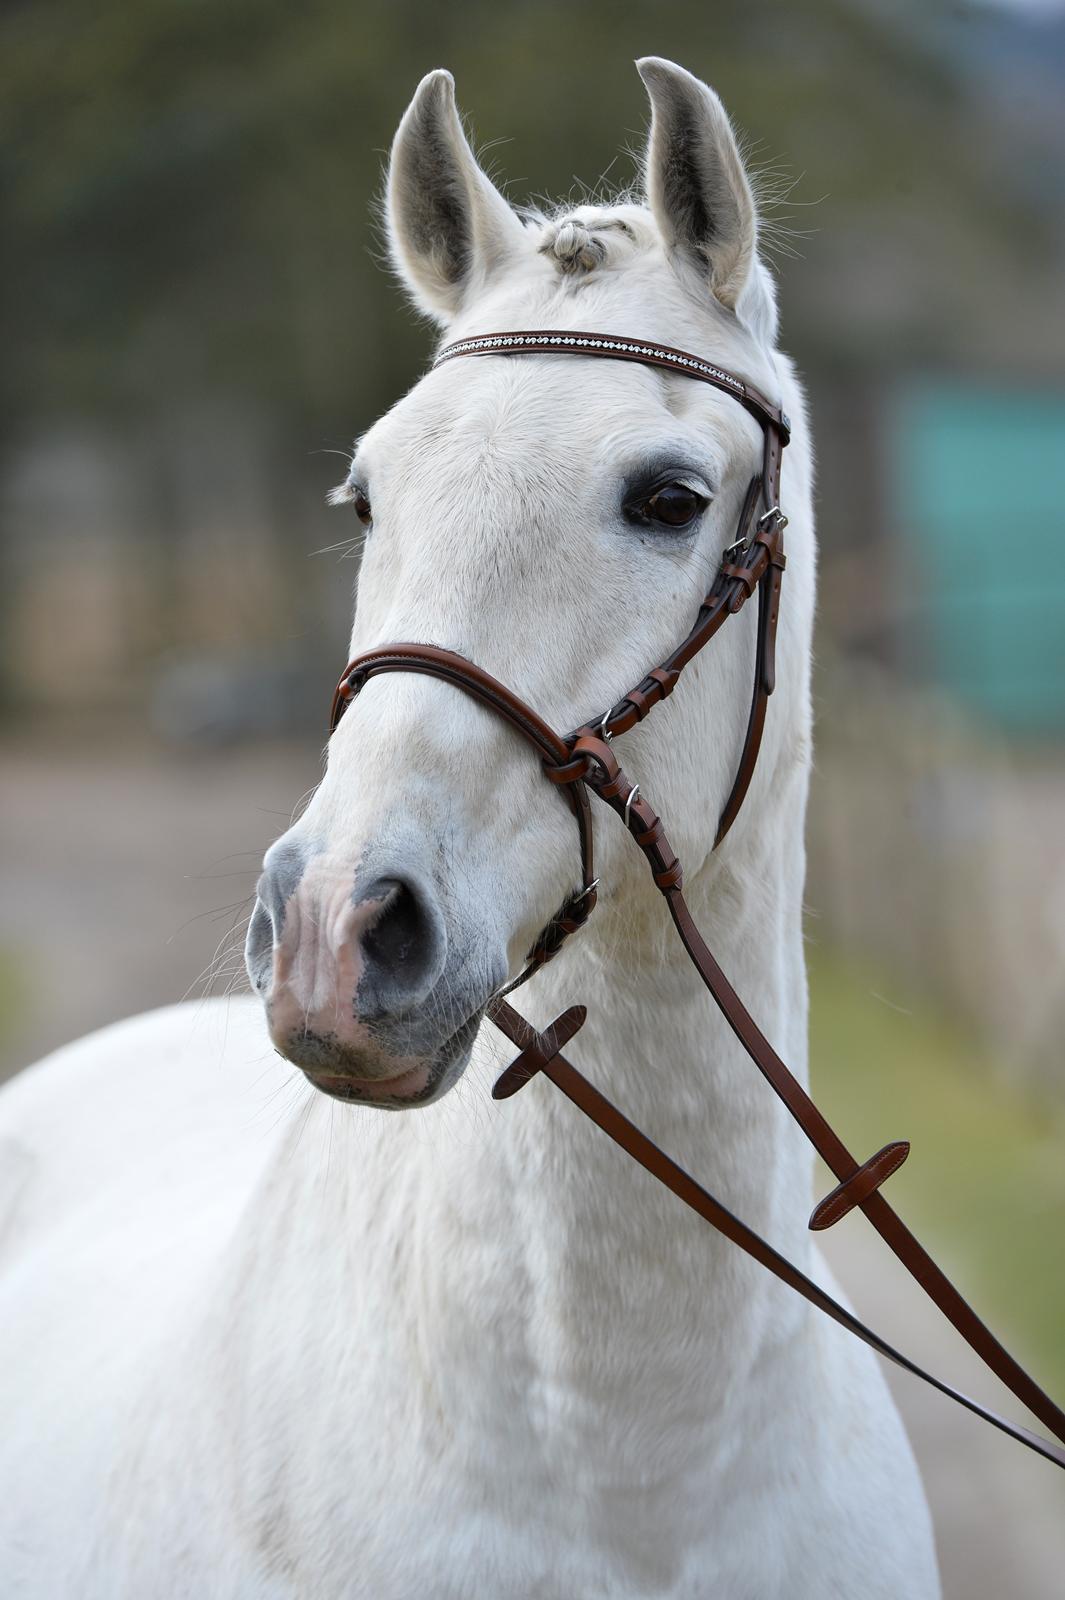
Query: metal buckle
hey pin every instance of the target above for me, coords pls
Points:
(633, 792)
(742, 545)
(585, 892)
(604, 732)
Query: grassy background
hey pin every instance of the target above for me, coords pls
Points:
(984, 1184)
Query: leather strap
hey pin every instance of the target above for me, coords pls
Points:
(584, 759)
(590, 763)
(869, 1176)
(616, 347)
(606, 779)
(541, 1052)
(467, 675)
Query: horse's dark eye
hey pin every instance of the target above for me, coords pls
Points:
(674, 505)
(363, 510)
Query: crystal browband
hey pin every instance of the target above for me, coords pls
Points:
(499, 343)
(647, 352)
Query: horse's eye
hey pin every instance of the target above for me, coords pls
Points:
(675, 505)
(360, 501)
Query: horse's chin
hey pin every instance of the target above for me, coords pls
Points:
(415, 1086)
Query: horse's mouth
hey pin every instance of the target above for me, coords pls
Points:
(407, 1088)
(415, 1086)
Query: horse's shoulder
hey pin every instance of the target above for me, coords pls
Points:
(104, 1111)
(133, 1067)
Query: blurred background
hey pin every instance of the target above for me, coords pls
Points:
(195, 324)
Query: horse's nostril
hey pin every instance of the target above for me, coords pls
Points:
(403, 945)
(396, 933)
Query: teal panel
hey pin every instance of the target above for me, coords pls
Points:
(976, 484)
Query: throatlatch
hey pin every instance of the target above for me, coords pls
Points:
(584, 760)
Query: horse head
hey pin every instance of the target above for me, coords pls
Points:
(556, 521)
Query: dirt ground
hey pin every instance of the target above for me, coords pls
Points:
(120, 877)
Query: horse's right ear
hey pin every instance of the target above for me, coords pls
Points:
(449, 227)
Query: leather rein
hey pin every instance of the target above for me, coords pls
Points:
(584, 761)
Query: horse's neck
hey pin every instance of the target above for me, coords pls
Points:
(502, 1273)
(613, 1248)
(514, 1238)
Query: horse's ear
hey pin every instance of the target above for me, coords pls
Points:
(448, 225)
(698, 191)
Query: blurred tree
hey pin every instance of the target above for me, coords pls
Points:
(187, 184)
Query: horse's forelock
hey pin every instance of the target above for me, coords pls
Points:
(578, 240)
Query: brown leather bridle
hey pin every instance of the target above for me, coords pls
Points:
(584, 760)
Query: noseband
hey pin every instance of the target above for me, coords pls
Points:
(583, 761)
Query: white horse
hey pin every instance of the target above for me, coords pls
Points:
(324, 1352)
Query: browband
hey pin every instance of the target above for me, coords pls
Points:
(557, 341)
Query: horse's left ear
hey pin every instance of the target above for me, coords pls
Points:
(448, 225)
(699, 194)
